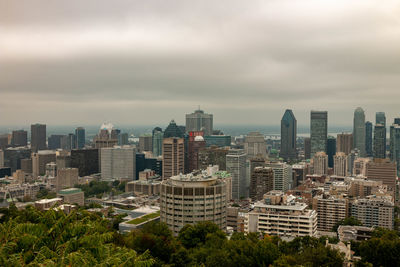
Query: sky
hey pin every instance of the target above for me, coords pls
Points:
(147, 62)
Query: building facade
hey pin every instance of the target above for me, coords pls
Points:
(38, 137)
(359, 131)
(236, 166)
(288, 136)
(199, 121)
(118, 163)
(318, 131)
(173, 156)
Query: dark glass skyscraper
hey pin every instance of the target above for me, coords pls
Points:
(359, 130)
(368, 139)
(38, 137)
(173, 130)
(331, 150)
(380, 141)
(380, 118)
(288, 135)
(80, 137)
(318, 131)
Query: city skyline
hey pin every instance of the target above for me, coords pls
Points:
(245, 64)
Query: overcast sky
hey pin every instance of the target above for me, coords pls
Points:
(146, 62)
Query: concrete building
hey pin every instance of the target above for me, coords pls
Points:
(212, 156)
(363, 187)
(144, 187)
(320, 163)
(283, 176)
(307, 147)
(189, 199)
(344, 143)
(374, 211)
(279, 214)
(369, 149)
(359, 131)
(66, 178)
(54, 141)
(72, 196)
(199, 121)
(261, 182)
(360, 166)
(118, 163)
(173, 156)
(80, 137)
(236, 166)
(319, 131)
(46, 204)
(383, 170)
(39, 161)
(195, 144)
(146, 142)
(379, 141)
(38, 137)
(288, 136)
(12, 157)
(107, 136)
(340, 164)
(299, 174)
(330, 210)
(254, 145)
(19, 138)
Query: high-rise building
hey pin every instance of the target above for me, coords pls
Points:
(38, 137)
(374, 211)
(19, 138)
(320, 163)
(80, 137)
(213, 156)
(4, 141)
(158, 136)
(283, 176)
(179, 193)
(261, 182)
(146, 142)
(331, 150)
(39, 161)
(195, 144)
(359, 131)
(368, 139)
(360, 166)
(380, 141)
(288, 136)
(173, 156)
(307, 147)
(254, 145)
(54, 141)
(12, 157)
(236, 166)
(330, 209)
(66, 178)
(118, 163)
(319, 131)
(383, 170)
(107, 136)
(173, 130)
(86, 160)
(340, 164)
(199, 121)
(68, 142)
(123, 139)
(344, 143)
(380, 118)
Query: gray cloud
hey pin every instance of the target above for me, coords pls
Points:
(135, 62)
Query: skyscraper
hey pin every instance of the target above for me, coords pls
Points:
(38, 137)
(254, 144)
(340, 164)
(283, 176)
(173, 130)
(344, 143)
(368, 139)
(118, 162)
(380, 118)
(359, 130)
(288, 136)
(80, 137)
(380, 141)
(199, 121)
(236, 166)
(157, 141)
(319, 131)
(261, 182)
(19, 138)
(395, 142)
(320, 163)
(331, 150)
(173, 156)
(195, 144)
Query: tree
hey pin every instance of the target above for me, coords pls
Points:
(347, 221)
(192, 235)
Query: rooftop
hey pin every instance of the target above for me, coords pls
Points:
(69, 191)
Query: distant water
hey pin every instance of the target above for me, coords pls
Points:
(233, 130)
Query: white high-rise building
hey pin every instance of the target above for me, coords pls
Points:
(283, 177)
(254, 145)
(320, 163)
(236, 166)
(340, 164)
(118, 162)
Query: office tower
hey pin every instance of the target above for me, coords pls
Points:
(380, 118)
(3, 141)
(123, 139)
(288, 136)
(26, 165)
(395, 142)
(195, 144)
(344, 143)
(146, 142)
(354, 154)
(282, 176)
(359, 131)
(330, 210)
(72, 196)
(107, 136)
(319, 131)
(118, 163)
(179, 193)
(12, 157)
(307, 147)
(199, 121)
(80, 137)
(331, 150)
(86, 160)
(340, 164)
(261, 182)
(236, 166)
(254, 145)
(173, 156)
(19, 138)
(368, 139)
(173, 130)
(39, 161)
(218, 140)
(63, 160)
(158, 136)
(66, 178)
(374, 211)
(54, 141)
(383, 170)
(380, 141)
(256, 162)
(115, 133)
(270, 216)
(68, 142)
(320, 163)
(140, 163)
(212, 156)
(38, 137)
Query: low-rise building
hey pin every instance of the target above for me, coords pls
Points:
(72, 196)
